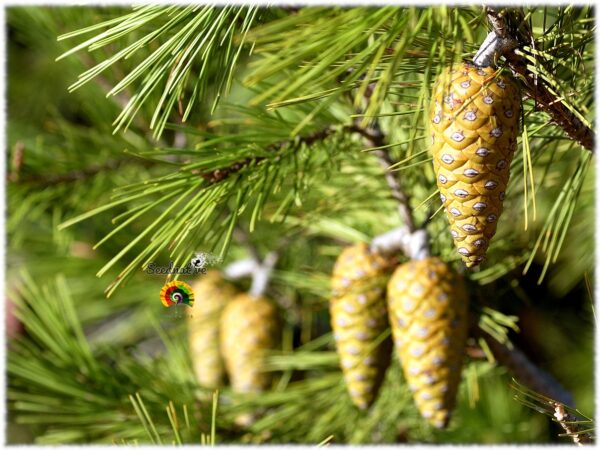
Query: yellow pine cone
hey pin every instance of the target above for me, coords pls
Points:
(249, 328)
(475, 121)
(428, 314)
(212, 293)
(358, 319)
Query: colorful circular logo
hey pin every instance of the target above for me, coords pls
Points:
(177, 293)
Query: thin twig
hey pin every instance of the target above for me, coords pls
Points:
(577, 426)
(375, 138)
(568, 422)
(409, 239)
(396, 189)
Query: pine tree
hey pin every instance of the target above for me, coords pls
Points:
(270, 139)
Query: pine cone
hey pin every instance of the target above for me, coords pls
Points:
(358, 318)
(249, 327)
(428, 313)
(212, 294)
(475, 120)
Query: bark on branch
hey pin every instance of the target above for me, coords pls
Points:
(512, 28)
(570, 424)
(375, 138)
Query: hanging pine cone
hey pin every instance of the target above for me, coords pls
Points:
(358, 319)
(428, 313)
(249, 327)
(475, 120)
(212, 293)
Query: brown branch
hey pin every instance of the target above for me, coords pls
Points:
(568, 422)
(217, 175)
(220, 174)
(375, 138)
(496, 20)
(513, 26)
(409, 239)
(396, 189)
(474, 351)
(524, 370)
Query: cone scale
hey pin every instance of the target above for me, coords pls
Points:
(358, 319)
(212, 293)
(428, 315)
(249, 328)
(474, 120)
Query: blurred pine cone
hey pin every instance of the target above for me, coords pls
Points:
(359, 318)
(428, 313)
(249, 328)
(211, 294)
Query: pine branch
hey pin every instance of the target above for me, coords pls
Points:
(373, 136)
(197, 43)
(220, 174)
(525, 370)
(577, 425)
(506, 28)
(569, 423)
(261, 159)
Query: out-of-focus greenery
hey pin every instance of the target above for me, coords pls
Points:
(87, 369)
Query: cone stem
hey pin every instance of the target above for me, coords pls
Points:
(262, 274)
(414, 245)
(492, 48)
(240, 269)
